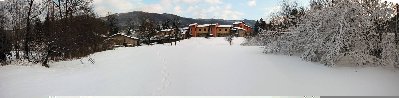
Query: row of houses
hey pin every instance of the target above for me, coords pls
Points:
(216, 30)
(239, 29)
(162, 36)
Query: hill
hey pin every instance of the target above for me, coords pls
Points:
(124, 18)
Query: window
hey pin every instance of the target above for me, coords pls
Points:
(199, 29)
(204, 29)
(220, 29)
(225, 29)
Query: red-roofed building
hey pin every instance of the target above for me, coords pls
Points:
(217, 30)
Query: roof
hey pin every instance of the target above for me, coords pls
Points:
(193, 24)
(207, 24)
(237, 22)
(239, 28)
(132, 37)
(204, 25)
(166, 30)
(183, 31)
(225, 26)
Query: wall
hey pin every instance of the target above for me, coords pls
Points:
(223, 31)
(119, 40)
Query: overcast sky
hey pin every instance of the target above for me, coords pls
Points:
(218, 9)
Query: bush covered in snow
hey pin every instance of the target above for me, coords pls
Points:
(333, 30)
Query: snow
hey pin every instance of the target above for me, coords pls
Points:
(237, 22)
(132, 37)
(393, 1)
(204, 25)
(225, 26)
(239, 28)
(196, 66)
(166, 30)
(193, 24)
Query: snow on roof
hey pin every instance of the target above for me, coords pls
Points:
(154, 38)
(225, 26)
(205, 25)
(237, 22)
(193, 24)
(213, 24)
(132, 37)
(166, 30)
(184, 32)
(239, 28)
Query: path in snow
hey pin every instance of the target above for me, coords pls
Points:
(196, 66)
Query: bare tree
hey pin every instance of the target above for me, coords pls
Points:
(176, 24)
(112, 23)
(28, 29)
(147, 29)
(5, 46)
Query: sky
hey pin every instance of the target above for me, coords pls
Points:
(205, 9)
(217, 9)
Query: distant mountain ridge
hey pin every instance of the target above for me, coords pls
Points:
(124, 18)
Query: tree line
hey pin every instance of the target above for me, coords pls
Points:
(330, 31)
(41, 31)
(147, 29)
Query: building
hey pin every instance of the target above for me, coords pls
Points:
(241, 29)
(224, 30)
(166, 33)
(216, 30)
(185, 33)
(199, 30)
(120, 39)
(241, 32)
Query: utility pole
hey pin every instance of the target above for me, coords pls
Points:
(397, 17)
(396, 33)
(396, 26)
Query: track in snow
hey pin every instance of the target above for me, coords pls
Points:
(196, 66)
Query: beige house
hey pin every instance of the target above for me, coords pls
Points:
(241, 32)
(216, 30)
(124, 40)
(223, 30)
(202, 30)
(166, 33)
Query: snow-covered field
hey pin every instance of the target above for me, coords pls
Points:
(196, 66)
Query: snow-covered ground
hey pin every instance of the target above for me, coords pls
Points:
(196, 66)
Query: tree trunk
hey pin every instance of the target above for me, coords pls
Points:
(148, 40)
(396, 35)
(59, 7)
(45, 61)
(28, 31)
(46, 58)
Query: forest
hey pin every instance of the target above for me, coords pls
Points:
(41, 31)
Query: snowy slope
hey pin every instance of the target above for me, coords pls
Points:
(196, 66)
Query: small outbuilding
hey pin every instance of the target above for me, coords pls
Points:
(120, 39)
